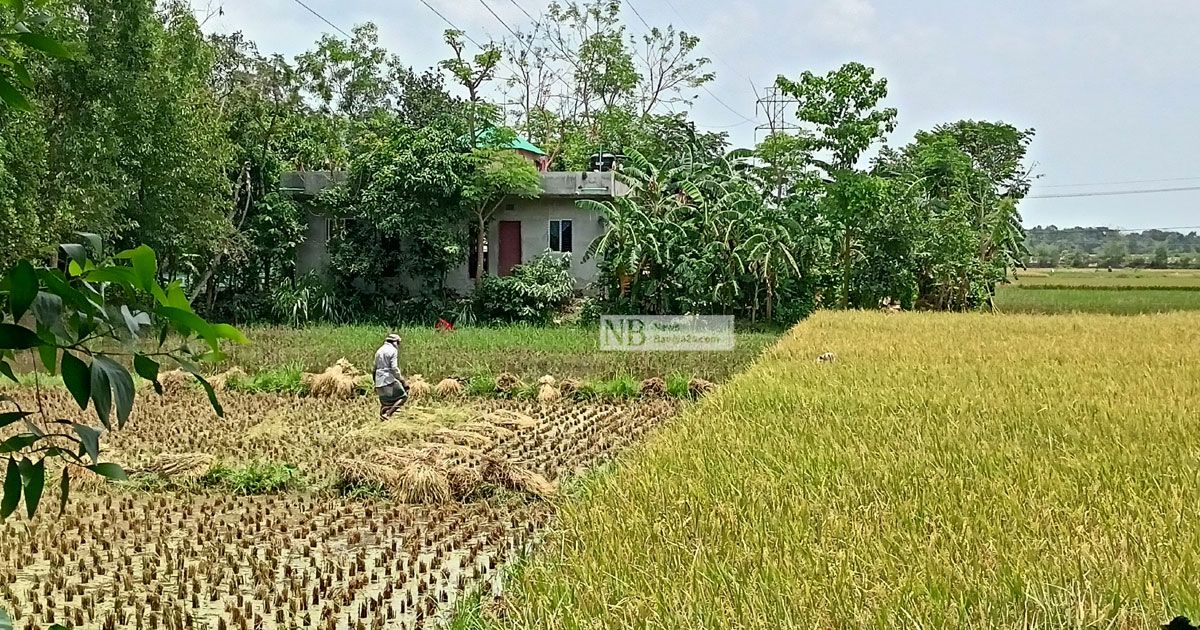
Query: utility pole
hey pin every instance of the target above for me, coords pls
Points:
(775, 106)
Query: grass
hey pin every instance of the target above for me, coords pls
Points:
(257, 477)
(526, 351)
(948, 471)
(1052, 301)
(1125, 278)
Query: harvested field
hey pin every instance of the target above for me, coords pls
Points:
(386, 525)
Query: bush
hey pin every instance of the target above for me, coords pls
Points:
(253, 478)
(535, 292)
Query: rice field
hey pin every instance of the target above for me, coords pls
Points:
(943, 471)
(309, 512)
(525, 351)
(1116, 292)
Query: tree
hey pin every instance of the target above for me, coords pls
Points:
(471, 73)
(348, 77)
(670, 67)
(89, 324)
(842, 108)
(404, 206)
(497, 174)
(1161, 258)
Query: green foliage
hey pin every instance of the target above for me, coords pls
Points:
(90, 323)
(404, 208)
(309, 299)
(622, 388)
(254, 478)
(482, 385)
(1051, 246)
(275, 381)
(678, 386)
(535, 292)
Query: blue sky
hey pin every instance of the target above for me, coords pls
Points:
(1112, 86)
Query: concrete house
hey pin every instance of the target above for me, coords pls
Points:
(519, 232)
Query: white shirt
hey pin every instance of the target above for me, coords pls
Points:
(387, 367)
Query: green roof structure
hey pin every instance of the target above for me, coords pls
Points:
(518, 143)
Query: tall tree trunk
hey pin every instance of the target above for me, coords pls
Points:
(845, 297)
(480, 243)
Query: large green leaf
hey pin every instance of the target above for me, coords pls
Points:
(12, 489)
(64, 490)
(10, 417)
(90, 438)
(22, 289)
(5, 620)
(49, 355)
(14, 337)
(47, 309)
(109, 471)
(12, 97)
(77, 253)
(18, 442)
(33, 475)
(123, 276)
(45, 44)
(77, 377)
(121, 382)
(147, 368)
(145, 265)
(102, 396)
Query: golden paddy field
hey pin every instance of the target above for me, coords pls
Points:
(945, 471)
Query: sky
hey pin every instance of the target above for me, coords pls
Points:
(1111, 86)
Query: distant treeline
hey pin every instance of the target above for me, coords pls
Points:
(1051, 246)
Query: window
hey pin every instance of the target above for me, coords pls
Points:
(560, 236)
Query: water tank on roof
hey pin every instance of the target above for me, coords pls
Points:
(605, 162)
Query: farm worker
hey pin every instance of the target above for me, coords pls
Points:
(389, 382)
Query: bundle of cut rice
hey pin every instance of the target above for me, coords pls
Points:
(517, 478)
(464, 481)
(464, 438)
(654, 387)
(347, 367)
(506, 382)
(449, 388)
(569, 387)
(698, 387)
(179, 465)
(488, 429)
(222, 381)
(548, 393)
(356, 473)
(419, 388)
(420, 482)
(547, 380)
(340, 380)
(174, 381)
(510, 419)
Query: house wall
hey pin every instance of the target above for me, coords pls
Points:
(535, 216)
(313, 253)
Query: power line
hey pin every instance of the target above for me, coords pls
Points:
(531, 18)
(703, 87)
(683, 22)
(322, 18)
(638, 14)
(1132, 181)
(1112, 193)
(499, 19)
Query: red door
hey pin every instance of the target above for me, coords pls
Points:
(510, 247)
